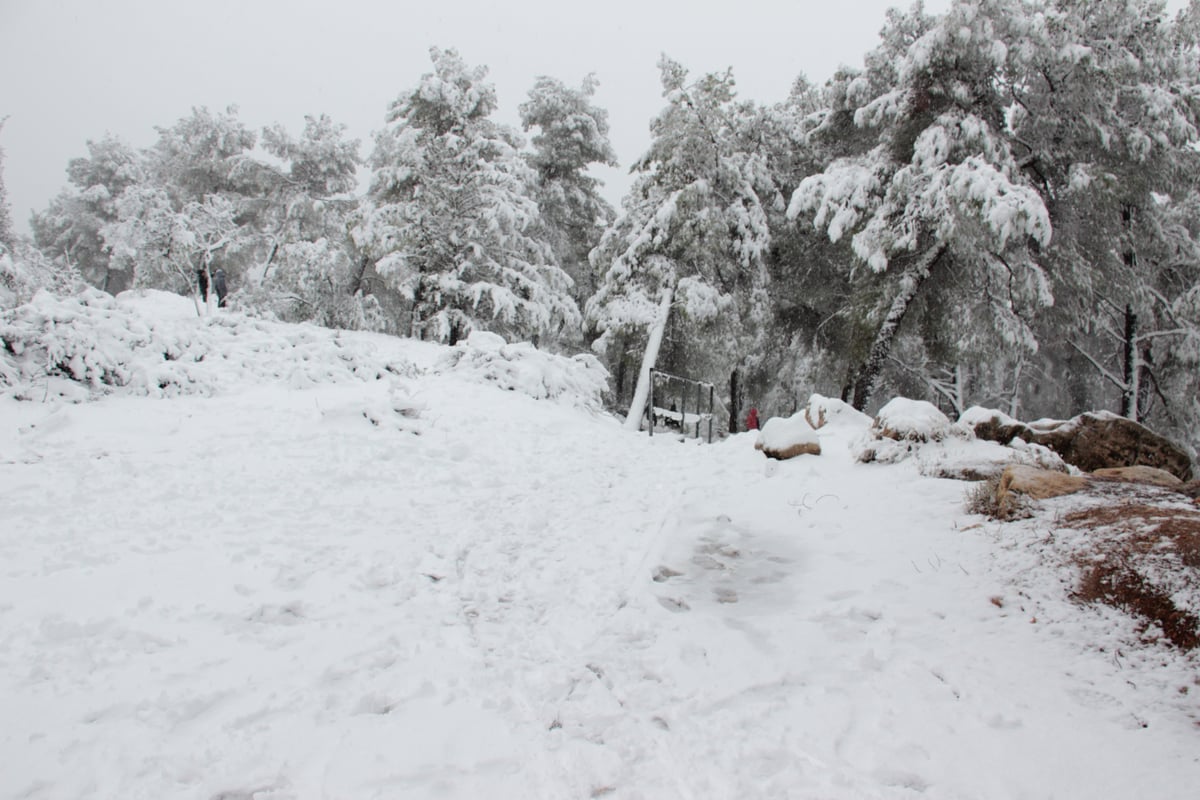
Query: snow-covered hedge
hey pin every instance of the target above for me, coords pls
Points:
(579, 380)
(153, 343)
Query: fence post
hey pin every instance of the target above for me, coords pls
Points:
(683, 412)
(711, 398)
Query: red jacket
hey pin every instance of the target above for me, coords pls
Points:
(752, 420)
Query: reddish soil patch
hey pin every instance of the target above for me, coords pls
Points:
(1133, 545)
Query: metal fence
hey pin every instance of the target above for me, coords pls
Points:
(681, 403)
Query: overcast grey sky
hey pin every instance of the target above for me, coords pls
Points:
(75, 69)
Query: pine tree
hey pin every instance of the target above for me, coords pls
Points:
(451, 224)
(7, 237)
(694, 227)
(69, 230)
(572, 135)
(937, 185)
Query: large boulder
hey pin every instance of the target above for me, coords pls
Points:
(1039, 484)
(1147, 475)
(1090, 441)
(783, 438)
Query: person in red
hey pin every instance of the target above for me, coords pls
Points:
(752, 420)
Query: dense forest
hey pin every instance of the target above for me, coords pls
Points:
(1001, 207)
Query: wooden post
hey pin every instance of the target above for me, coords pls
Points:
(683, 412)
(711, 403)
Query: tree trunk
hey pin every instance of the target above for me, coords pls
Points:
(1133, 372)
(910, 284)
(416, 324)
(1145, 380)
(356, 284)
(622, 361)
(637, 407)
(735, 405)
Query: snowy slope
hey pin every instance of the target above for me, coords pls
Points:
(291, 589)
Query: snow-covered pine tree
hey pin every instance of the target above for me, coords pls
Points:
(193, 206)
(572, 135)
(688, 248)
(450, 220)
(937, 183)
(69, 229)
(7, 237)
(311, 270)
(1106, 123)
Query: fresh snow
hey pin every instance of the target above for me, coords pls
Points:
(354, 581)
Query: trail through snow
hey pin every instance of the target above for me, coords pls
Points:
(263, 594)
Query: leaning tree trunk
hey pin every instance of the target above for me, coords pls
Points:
(637, 407)
(910, 284)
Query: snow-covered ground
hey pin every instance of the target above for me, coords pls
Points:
(407, 582)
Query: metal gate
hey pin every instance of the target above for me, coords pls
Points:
(680, 402)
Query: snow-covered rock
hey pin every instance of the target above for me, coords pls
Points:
(822, 412)
(1091, 441)
(911, 420)
(782, 438)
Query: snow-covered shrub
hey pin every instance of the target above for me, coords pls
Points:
(149, 342)
(578, 380)
(24, 272)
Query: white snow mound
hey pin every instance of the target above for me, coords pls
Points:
(485, 357)
(146, 343)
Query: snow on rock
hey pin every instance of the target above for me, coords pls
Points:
(976, 415)
(908, 429)
(827, 411)
(912, 420)
(901, 429)
(962, 457)
(782, 438)
(578, 380)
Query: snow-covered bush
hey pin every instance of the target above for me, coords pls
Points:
(152, 343)
(24, 271)
(579, 380)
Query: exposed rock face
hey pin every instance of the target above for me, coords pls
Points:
(800, 449)
(1038, 484)
(1090, 441)
(1150, 475)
